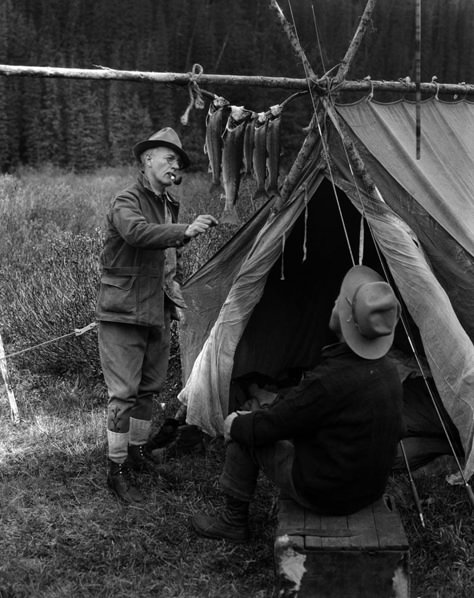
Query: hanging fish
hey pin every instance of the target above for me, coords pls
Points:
(215, 124)
(249, 143)
(273, 149)
(232, 154)
(259, 157)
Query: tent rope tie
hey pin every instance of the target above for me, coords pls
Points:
(370, 97)
(196, 99)
(434, 79)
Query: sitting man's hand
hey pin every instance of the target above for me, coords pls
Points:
(228, 423)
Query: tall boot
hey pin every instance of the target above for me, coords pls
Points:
(140, 459)
(231, 524)
(120, 481)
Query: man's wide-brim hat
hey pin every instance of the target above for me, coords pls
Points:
(166, 137)
(368, 312)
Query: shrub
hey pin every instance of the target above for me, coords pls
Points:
(50, 240)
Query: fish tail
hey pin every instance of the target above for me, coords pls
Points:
(215, 188)
(230, 216)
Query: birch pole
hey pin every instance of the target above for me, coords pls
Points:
(11, 397)
(312, 137)
(183, 79)
(356, 41)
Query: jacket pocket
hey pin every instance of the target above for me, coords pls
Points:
(117, 294)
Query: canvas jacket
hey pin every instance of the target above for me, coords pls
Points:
(345, 422)
(133, 285)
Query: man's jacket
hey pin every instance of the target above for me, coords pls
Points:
(133, 286)
(345, 421)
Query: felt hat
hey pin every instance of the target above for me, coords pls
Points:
(166, 137)
(368, 312)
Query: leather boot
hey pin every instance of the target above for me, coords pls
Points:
(231, 524)
(120, 482)
(140, 459)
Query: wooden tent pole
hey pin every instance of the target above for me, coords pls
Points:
(312, 137)
(183, 79)
(294, 41)
(356, 41)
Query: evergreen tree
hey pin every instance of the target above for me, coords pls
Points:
(5, 8)
(129, 123)
(78, 122)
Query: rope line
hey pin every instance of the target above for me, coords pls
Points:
(76, 332)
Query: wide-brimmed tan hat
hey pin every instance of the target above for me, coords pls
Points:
(166, 137)
(368, 312)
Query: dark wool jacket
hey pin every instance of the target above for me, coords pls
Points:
(345, 422)
(133, 286)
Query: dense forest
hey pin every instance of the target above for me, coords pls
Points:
(84, 124)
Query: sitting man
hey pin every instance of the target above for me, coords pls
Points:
(330, 442)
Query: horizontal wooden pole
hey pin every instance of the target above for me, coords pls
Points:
(320, 86)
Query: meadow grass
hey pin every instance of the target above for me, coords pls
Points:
(62, 533)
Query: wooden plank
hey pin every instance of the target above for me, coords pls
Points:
(364, 522)
(389, 526)
(335, 524)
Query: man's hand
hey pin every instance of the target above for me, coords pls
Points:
(202, 223)
(228, 423)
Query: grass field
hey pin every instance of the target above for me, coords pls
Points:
(62, 534)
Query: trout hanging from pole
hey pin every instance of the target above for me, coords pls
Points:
(259, 159)
(249, 140)
(232, 155)
(215, 125)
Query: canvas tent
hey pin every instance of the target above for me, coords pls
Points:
(262, 303)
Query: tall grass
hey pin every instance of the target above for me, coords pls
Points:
(51, 233)
(62, 533)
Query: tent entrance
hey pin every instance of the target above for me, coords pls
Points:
(289, 325)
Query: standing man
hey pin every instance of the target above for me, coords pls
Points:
(139, 294)
(329, 443)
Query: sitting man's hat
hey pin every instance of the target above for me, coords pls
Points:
(368, 312)
(166, 137)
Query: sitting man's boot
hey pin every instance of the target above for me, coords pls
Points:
(120, 481)
(231, 524)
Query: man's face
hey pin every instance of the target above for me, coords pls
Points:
(161, 164)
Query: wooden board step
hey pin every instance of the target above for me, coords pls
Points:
(362, 555)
